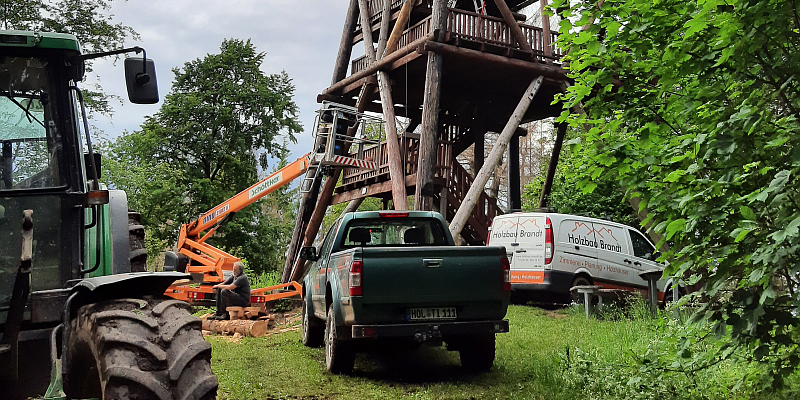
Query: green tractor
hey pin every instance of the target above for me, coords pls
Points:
(79, 315)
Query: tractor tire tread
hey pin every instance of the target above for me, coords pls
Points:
(125, 356)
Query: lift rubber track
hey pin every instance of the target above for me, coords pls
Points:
(149, 348)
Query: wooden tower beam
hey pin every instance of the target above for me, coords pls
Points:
(544, 198)
(514, 26)
(495, 156)
(308, 200)
(514, 189)
(392, 146)
(346, 45)
(426, 165)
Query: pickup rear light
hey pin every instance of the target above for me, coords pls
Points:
(393, 214)
(548, 242)
(489, 233)
(506, 267)
(356, 268)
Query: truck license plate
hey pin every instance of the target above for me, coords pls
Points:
(431, 313)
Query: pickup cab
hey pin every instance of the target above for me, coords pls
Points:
(389, 276)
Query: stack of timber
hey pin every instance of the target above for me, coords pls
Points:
(246, 321)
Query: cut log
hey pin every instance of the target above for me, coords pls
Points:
(243, 327)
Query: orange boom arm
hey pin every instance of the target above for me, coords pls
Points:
(211, 259)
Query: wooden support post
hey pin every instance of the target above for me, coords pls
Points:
(544, 199)
(513, 26)
(304, 211)
(426, 164)
(494, 157)
(514, 190)
(392, 146)
(548, 51)
(353, 205)
(443, 201)
(383, 33)
(478, 151)
(399, 26)
(346, 45)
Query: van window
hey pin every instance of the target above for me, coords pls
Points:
(610, 238)
(641, 247)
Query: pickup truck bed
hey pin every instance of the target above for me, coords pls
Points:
(399, 276)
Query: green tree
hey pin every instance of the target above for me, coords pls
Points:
(604, 200)
(221, 121)
(89, 20)
(693, 107)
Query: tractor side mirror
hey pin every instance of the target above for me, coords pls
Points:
(140, 77)
(309, 253)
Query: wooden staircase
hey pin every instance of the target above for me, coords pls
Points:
(450, 176)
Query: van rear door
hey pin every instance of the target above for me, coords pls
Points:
(504, 233)
(528, 266)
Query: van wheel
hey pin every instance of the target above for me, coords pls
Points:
(668, 295)
(581, 280)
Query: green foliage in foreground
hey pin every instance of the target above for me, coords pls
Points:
(547, 355)
(694, 107)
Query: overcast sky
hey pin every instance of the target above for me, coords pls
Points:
(301, 37)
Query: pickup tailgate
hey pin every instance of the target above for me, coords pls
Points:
(397, 280)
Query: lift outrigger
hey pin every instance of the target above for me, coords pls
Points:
(208, 264)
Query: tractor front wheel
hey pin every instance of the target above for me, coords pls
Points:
(149, 348)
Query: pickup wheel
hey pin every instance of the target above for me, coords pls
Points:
(477, 353)
(313, 331)
(339, 355)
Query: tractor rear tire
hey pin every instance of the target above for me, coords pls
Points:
(138, 254)
(149, 348)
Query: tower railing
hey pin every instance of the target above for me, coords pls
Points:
(474, 27)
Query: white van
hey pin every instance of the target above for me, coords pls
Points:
(550, 253)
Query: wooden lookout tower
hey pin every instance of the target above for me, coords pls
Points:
(452, 70)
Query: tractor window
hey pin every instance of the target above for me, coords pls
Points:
(28, 138)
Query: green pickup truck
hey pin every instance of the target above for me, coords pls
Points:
(399, 277)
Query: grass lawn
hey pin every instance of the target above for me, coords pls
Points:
(547, 355)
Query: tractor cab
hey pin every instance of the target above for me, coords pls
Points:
(65, 241)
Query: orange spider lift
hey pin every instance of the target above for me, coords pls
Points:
(206, 263)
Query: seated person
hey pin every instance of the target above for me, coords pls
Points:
(234, 292)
